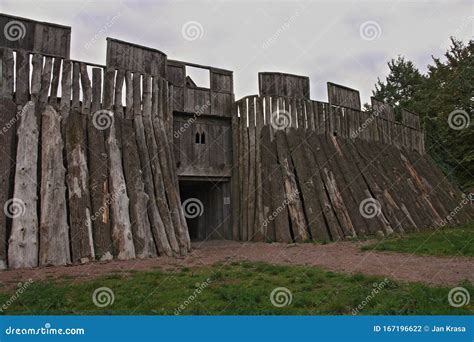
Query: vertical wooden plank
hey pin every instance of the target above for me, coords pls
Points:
(300, 114)
(66, 83)
(235, 188)
(7, 74)
(252, 170)
(291, 103)
(22, 94)
(86, 89)
(310, 115)
(45, 83)
(75, 85)
(259, 218)
(53, 100)
(245, 169)
(266, 161)
(98, 161)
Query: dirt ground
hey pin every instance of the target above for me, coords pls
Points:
(341, 257)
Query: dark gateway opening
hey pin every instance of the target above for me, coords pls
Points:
(206, 205)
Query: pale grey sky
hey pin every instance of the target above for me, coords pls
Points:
(346, 42)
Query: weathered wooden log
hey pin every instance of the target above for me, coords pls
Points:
(99, 183)
(170, 217)
(356, 181)
(82, 248)
(54, 229)
(235, 190)
(168, 105)
(23, 242)
(295, 207)
(66, 89)
(337, 187)
(251, 194)
(163, 233)
(119, 202)
(402, 210)
(22, 93)
(386, 217)
(53, 98)
(9, 115)
(259, 233)
(140, 224)
(279, 213)
(314, 158)
(312, 206)
(167, 169)
(266, 158)
(7, 77)
(244, 164)
(347, 181)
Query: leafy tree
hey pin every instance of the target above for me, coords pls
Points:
(402, 85)
(447, 87)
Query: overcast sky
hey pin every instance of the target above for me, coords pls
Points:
(346, 42)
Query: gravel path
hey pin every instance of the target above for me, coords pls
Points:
(341, 256)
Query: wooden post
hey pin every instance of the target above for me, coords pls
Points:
(23, 242)
(99, 184)
(141, 230)
(54, 230)
(119, 202)
(162, 230)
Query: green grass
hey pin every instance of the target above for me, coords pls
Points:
(241, 288)
(457, 241)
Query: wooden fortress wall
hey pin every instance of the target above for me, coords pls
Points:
(92, 164)
(84, 175)
(327, 171)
